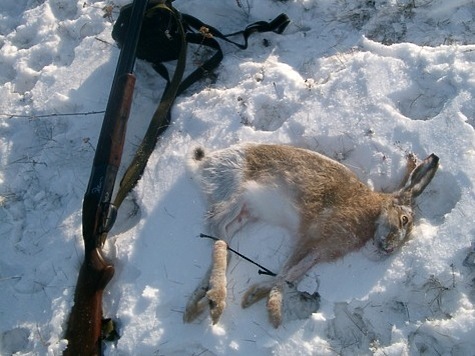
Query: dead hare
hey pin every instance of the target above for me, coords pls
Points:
(320, 201)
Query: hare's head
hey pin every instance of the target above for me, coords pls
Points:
(396, 219)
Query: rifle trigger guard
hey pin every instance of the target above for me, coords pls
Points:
(109, 217)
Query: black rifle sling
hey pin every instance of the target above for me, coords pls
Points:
(160, 120)
(206, 36)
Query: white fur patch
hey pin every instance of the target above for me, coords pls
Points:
(220, 173)
(272, 204)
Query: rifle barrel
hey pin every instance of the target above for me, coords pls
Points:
(126, 62)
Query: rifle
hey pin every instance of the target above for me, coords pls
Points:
(85, 321)
(84, 327)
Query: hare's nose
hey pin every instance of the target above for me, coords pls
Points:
(384, 247)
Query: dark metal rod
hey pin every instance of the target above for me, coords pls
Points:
(264, 270)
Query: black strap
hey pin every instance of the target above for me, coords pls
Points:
(278, 25)
(208, 65)
(159, 123)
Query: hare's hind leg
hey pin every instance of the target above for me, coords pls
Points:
(273, 290)
(197, 301)
(212, 288)
(256, 292)
(217, 281)
(224, 221)
(301, 260)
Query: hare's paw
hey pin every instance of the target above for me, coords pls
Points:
(274, 306)
(255, 293)
(196, 304)
(217, 302)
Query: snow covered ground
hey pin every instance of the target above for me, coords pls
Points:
(365, 82)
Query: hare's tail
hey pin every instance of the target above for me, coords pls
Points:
(198, 153)
(196, 158)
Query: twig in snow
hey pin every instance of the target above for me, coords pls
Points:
(41, 116)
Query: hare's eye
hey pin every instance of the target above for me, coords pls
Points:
(404, 220)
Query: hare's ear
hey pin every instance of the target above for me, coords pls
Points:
(421, 176)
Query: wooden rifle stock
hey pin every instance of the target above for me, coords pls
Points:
(84, 326)
(85, 321)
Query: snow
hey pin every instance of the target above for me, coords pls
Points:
(364, 82)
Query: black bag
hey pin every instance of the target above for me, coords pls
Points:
(160, 40)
